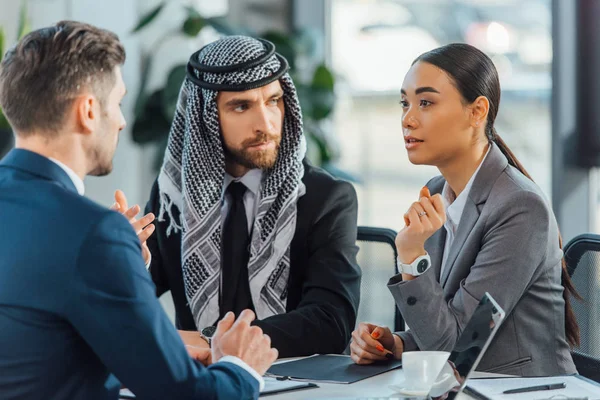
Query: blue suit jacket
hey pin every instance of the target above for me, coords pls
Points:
(77, 304)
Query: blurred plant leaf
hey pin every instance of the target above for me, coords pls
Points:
(322, 103)
(193, 25)
(319, 141)
(152, 125)
(284, 45)
(172, 88)
(323, 78)
(305, 99)
(195, 22)
(140, 101)
(321, 92)
(316, 103)
(2, 43)
(7, 141)
(23, 22)
(4, 125)
(148, 17)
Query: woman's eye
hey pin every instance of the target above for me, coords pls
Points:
(404, 103)
(425, 103)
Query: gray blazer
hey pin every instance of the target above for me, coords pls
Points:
(506, 244)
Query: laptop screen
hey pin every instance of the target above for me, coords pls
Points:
(471, 345)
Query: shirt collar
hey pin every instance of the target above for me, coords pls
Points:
(252, 180)
(456, 205)
(74, 177)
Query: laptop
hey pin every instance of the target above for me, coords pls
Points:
(471, 345)
(466, 355)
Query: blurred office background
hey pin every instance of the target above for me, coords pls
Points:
(350, 57)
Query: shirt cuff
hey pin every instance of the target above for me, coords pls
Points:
(240, 363)
(408, 341)
(149, 261)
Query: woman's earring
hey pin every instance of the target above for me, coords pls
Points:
(477, 124)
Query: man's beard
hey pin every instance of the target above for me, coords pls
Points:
(252, 159)
(102, 157)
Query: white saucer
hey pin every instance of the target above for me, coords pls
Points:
(408, 391)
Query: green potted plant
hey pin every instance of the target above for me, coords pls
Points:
(6, 136)
(154, 111)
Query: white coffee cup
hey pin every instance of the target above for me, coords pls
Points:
(421, 369)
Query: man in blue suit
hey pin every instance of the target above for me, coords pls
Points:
(78, 312)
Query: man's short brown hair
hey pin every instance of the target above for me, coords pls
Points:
(41, 76)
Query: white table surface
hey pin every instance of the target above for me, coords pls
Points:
(377, 387)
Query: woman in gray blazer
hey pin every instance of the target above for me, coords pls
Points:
(487, 227)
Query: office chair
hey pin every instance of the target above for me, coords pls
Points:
(377, 259)
(582, 254)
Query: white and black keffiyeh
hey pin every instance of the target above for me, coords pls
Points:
(192, 175)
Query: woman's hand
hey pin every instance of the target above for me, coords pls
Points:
(423, 219)
(372, 343)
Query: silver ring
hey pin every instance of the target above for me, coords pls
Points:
(422, 213)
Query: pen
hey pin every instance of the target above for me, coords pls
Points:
(552, 386)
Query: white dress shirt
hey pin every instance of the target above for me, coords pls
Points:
(74, 177)
(230, 359)
(454, 210)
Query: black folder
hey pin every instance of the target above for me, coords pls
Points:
(330, 369)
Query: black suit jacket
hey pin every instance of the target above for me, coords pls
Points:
(324, 282)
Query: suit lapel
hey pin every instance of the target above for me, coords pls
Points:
(493, 166)
(468, 219)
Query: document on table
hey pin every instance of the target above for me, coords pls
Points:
(492, 389)
(330, 368)
(272, 386)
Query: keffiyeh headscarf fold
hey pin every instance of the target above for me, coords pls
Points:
(192, 175)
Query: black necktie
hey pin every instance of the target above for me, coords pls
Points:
(235, 288)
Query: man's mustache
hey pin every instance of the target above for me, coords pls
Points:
(261, 139)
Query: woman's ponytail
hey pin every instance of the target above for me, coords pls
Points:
(571, 327)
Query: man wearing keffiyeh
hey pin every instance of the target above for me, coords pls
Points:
(243, 220)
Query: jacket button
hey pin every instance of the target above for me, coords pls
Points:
(411, 301)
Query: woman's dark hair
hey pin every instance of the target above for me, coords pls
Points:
(473, 73)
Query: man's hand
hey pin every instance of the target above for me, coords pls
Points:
(201, 354)
(248, 343)
(193, 338)
(143, 227)
(372, 343)
(423, 219)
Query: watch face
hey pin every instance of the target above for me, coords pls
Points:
(422, 266)
(209, 331)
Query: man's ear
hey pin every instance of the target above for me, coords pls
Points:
(86, 112)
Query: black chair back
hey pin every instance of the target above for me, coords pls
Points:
(377, 259)
(583, 263)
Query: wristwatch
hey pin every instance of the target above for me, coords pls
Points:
(417, 267)
(207, 334)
